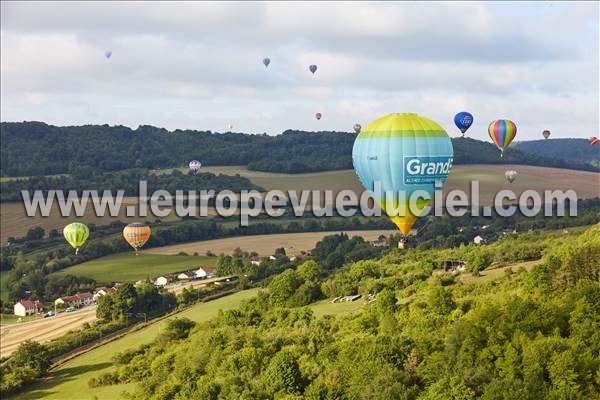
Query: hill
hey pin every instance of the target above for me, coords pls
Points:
(58, 150)
(566, 149)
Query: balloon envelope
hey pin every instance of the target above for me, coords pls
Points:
(107, 53)
(136, 235)
(593, 141)
(510, 175)
(313, 68)
(463, 120)
(546, 134)
(404, 153)
(76, 234)
(502, 132)
(357, 128)
(318, 115)
(195, 166)
(266, 61)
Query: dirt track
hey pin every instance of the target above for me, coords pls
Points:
(43, 330)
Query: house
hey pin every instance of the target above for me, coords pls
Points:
(454, 266)
(205, 272)
(102, 291)
(187, 275)
(381, 242)
(27, 307)
(77, 300)
(479, 239)
(255, 260)
(163, 280)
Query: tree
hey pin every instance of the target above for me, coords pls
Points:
(178, 328)
(36, 233)
(283, 286)
(310, 271)
(283, 374)
(32, 354)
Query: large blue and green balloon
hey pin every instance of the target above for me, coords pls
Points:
(404, 152)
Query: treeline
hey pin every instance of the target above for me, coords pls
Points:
(87, 178)
(30, 274)
(566, 149)
(35, 148)
(525, 335)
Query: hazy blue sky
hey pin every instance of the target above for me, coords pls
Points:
(198, 65)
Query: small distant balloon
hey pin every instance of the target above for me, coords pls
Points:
(266, 61)
(318, 116)
(107, 53)
(195, 166)
(511, 175)
(357, 128)
(230, 127)
(313, 68)
(593, 141)
(463, 120)
(546, 134)
(502, 132)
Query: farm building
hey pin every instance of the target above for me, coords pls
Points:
(102, 291)
(187, 275)
(77, 300)
(27, 307)
(205, 272)
(454, 266)
(255, 260)
(163, 280)
(479, 239)
(382, 241)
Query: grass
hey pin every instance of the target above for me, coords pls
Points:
(264, 245)
(8, 319)
(491, 178)
(495, 273)
(127, 267)
(326, 307)
(70, 380)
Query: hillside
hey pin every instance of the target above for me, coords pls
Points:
(566, 149)
(530, 332)
(58, 150)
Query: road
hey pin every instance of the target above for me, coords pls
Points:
(44, 330)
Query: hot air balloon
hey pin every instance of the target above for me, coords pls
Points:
(404, 152)
(76, 234)
(230, 127)
(136, 235)
(357, 128)
(107, 53)
(502, 132)
(266, 61)
(593, 141)
(195, 166)
(318, 116)
(546, 134)
(313, 68)
(510, 175)
(463, 121)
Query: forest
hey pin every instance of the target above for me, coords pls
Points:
(424, 335)
(35, 148)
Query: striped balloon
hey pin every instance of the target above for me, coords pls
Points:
(76, 234)
(502, 132)
(136, 235)
(404, 152)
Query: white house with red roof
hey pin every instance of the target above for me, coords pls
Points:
(28, 307)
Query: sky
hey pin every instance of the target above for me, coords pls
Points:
(199, 65)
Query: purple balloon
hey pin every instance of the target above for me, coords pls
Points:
(107, 53)
(313, 68)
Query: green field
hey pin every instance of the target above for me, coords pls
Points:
(70, 381)
(14, 319)
(127, 267)
(326, 307)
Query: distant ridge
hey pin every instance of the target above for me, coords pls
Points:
(567, 149)
(36, 148)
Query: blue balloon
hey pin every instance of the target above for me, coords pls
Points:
(313, 68)
(463, 121)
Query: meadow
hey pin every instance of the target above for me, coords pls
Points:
(491, 177)
(70, 380)
(127, 267)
